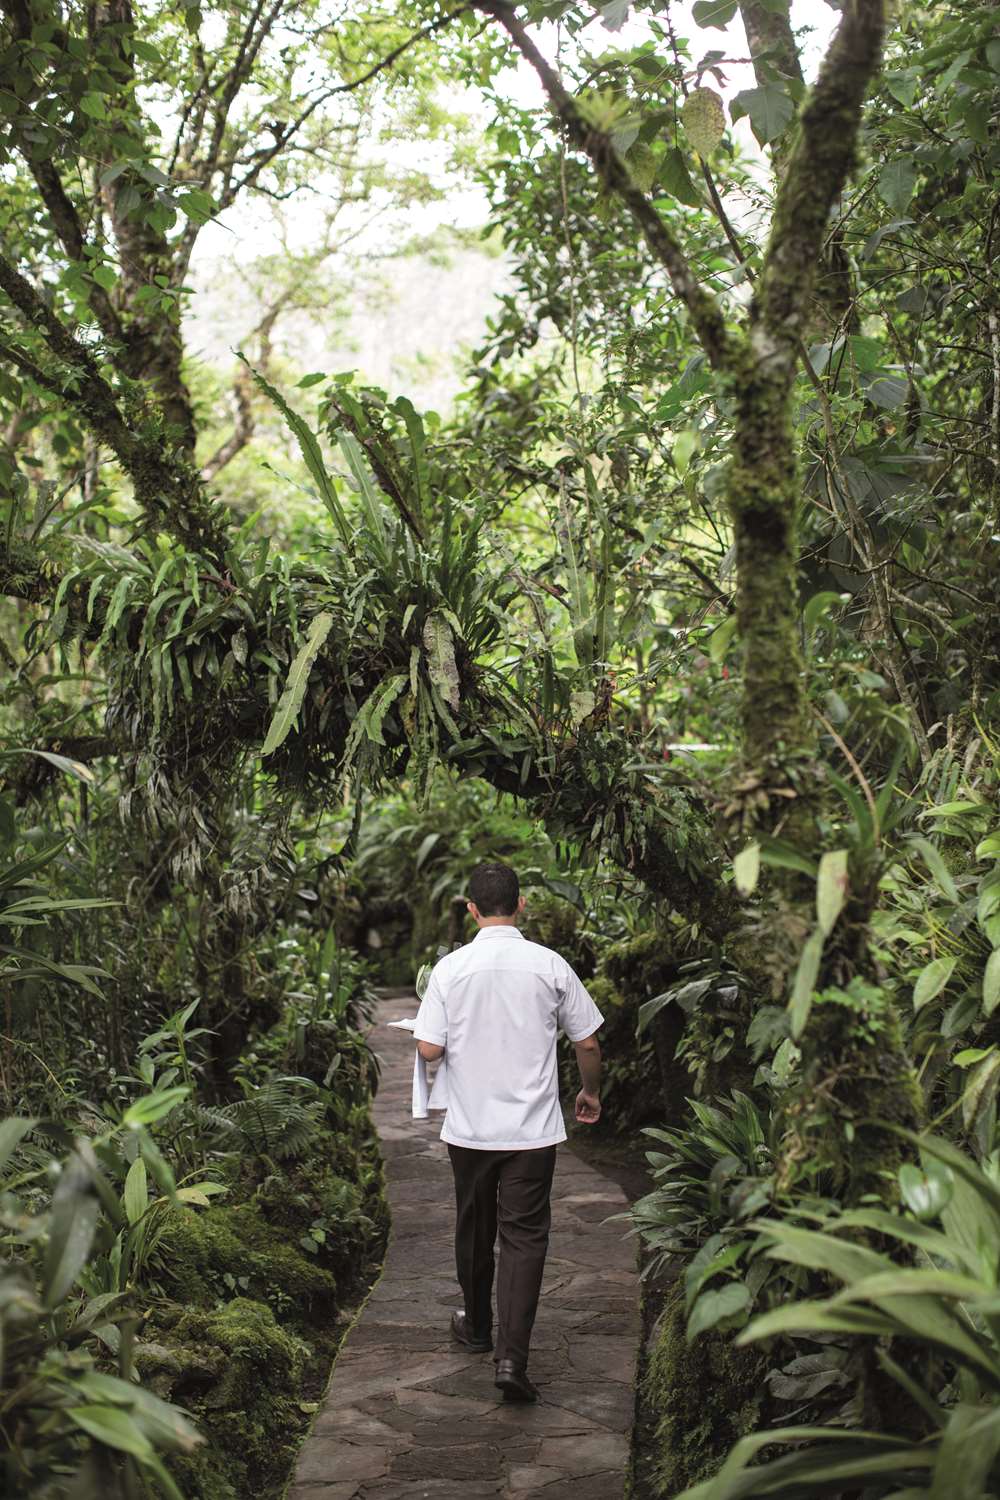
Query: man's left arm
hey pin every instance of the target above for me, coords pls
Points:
(430, 1031)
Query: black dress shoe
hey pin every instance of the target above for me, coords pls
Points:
(461, 1331)
(514, 1382)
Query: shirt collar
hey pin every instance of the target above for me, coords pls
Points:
(498, 932)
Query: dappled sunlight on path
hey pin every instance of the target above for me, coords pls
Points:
(408, 1413)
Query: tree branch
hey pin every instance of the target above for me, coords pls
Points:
(62, 212)
(166, 485)
(66, 223)
(771, 39)
(292, 128)
(704, 309)
(242, 431)
(818, 166)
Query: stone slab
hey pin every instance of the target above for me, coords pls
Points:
(408, 1414)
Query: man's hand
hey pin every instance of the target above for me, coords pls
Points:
(588, 1108)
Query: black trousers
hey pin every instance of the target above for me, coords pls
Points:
(509, 1190)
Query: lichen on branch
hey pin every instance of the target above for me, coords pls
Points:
(166, 484)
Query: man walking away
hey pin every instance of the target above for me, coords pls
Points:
(497, 1006)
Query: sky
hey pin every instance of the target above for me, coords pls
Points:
(407, 331)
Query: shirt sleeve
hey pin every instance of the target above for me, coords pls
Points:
(578, 1015)
(432, 1017)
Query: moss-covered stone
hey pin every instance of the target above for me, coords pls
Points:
(211, 1253)
(239, 1375)
(352, 1219)
(699, 1397)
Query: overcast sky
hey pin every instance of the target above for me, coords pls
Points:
(407, 331)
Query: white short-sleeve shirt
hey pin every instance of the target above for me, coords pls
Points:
(497, 1006)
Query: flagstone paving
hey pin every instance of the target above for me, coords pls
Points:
(409, 1414)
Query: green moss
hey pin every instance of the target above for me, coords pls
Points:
(557, 924)
(243, 1367)
(605, 994)
(763, 493)
(211, 1253)
(249, 1412)
(699, 1399)
(352, 1220)
(854, 1075)
(641, 1082)
(641, 966)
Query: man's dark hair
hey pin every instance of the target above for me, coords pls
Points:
(494, 889)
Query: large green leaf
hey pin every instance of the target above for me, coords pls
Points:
(973, 1214)
(287, 710)
(910, 1232)
(818, 1317)
(896, 182)
(804, 982)
(675, 178)
(968, 1450)
(981, 1089)
(441, 663)
(931, 980)
(770, 109)
(715, 1305)
(114, 1427)
(12, 1132)
(925, 1193)
(165, 1425)
(831, 889)
(371, 500)
(820, 1252)
(61, 762)
(716, 13)
(72, 1222)
(156, 1106)
(746, 869)
(991, 982)
(136, 1193)
(825, 1461)
(418, 448)
(311, 453)
(912, 1282)
(929, 1320)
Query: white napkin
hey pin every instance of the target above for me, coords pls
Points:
(424, 1098)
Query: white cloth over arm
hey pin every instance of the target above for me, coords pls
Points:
(425, 1096)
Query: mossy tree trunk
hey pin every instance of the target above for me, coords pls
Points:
(853, 1064)
(777, 787)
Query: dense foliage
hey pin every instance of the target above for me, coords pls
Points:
(688, 608)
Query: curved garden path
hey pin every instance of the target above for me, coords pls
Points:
(408, 1414)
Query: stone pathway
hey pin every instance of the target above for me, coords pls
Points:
(409, 1414)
